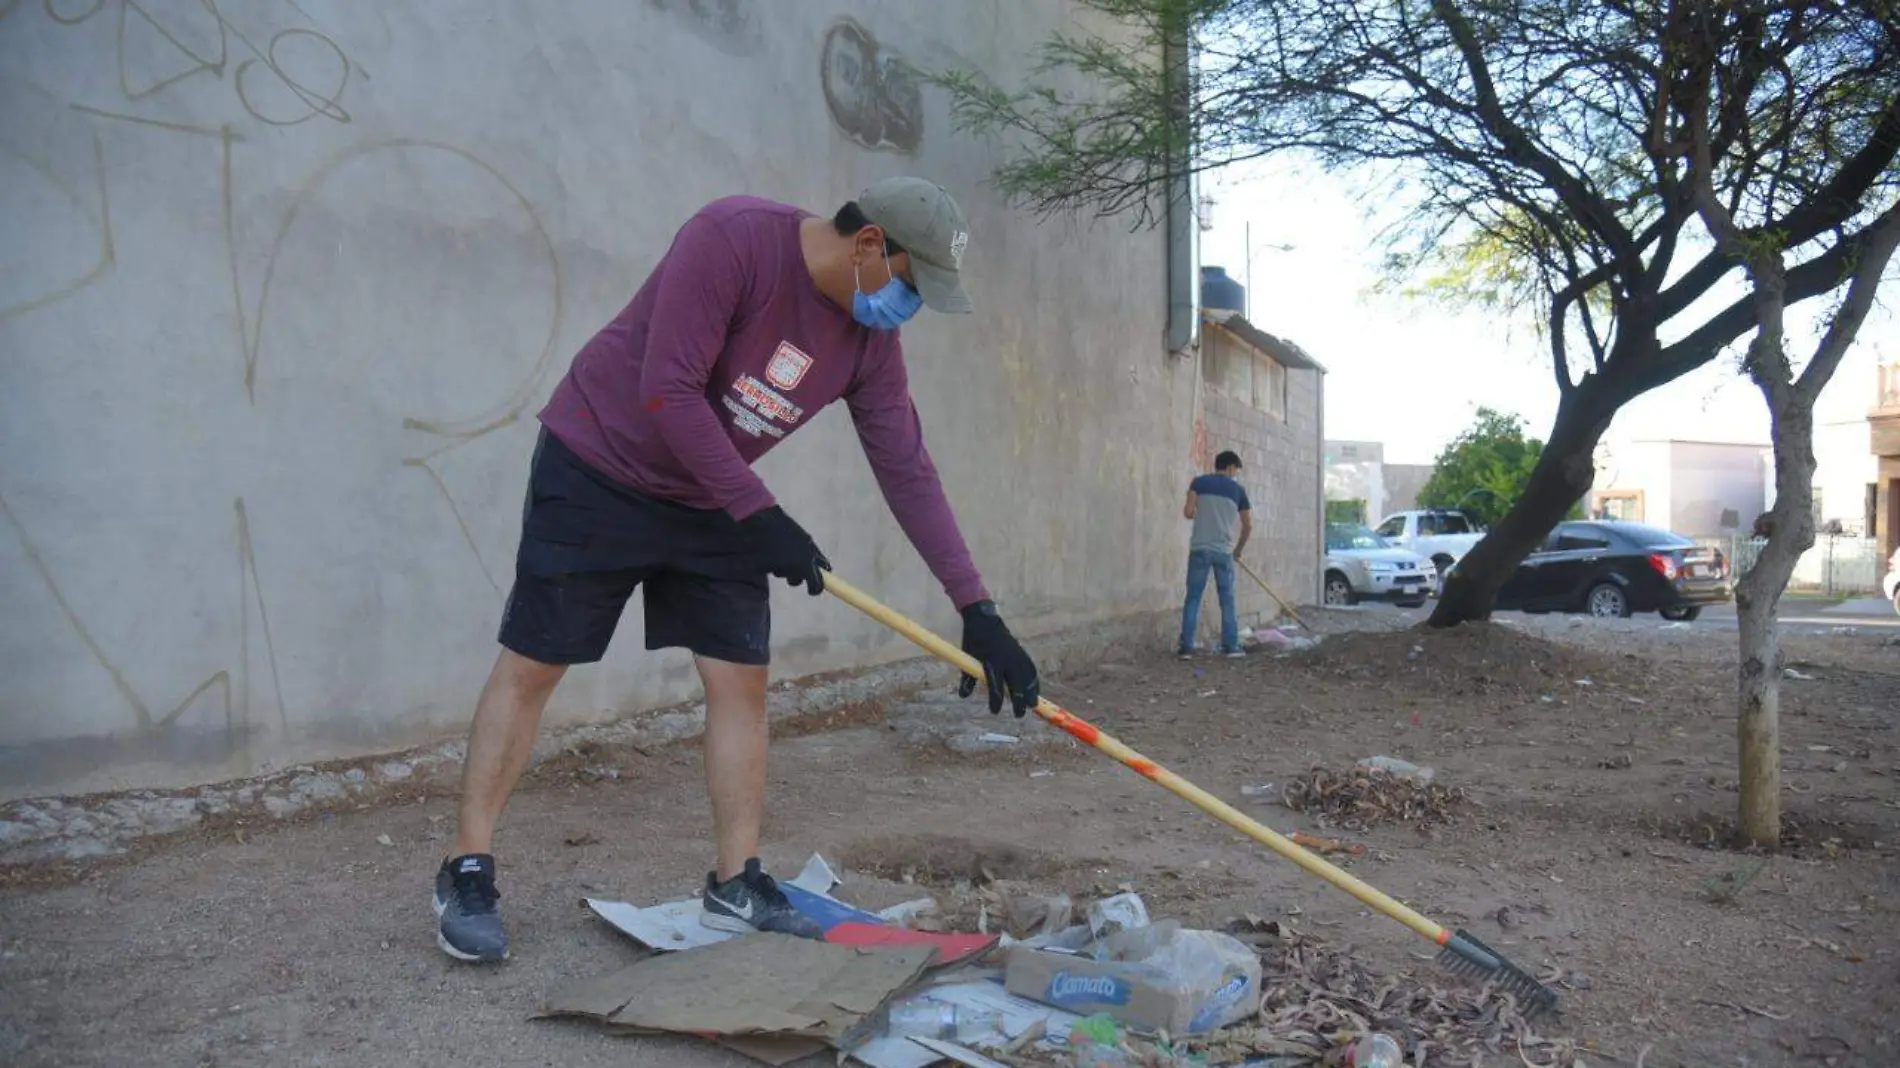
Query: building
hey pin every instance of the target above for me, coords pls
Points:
(1359, 482)
(1883, 431)
(1845, 477)
(1695, 488)
(276, 344)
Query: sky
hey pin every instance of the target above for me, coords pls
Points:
(1411, 374)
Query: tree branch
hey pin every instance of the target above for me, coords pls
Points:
(1816, 277)
(1875, 252)
(1588, 207)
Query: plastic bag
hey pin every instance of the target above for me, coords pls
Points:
(1217, 973)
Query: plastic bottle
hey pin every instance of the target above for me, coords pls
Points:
(1377, 1051)
(1404, 769)
(925, 1018)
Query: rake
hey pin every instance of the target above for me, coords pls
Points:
(1254, 575)
(1460, 953)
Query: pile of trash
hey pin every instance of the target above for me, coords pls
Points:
(1375, 790)
(1278, 639)
(1104, 986)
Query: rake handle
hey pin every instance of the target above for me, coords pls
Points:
(1252, 574)
(1084, 731)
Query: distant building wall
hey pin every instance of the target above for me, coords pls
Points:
(1715, 487)
(1403, 484)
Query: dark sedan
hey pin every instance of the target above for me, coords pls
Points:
(1613, 569)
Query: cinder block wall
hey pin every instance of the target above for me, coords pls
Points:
(279, 330)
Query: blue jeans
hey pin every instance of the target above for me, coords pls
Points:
(1200, 562)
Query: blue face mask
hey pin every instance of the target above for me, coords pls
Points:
(888, 308)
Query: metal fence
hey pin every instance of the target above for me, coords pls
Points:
(1836, 565)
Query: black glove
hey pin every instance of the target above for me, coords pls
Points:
(784, 549)
(1006, 665)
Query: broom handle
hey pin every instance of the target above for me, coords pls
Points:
(1263, 585)
(1084, 731)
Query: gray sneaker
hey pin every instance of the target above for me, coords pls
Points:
(751, 901)
(470, 924)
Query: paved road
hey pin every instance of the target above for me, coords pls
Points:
(1862, 614)
(1866, 615)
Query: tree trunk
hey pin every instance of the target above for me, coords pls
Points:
(1564, 473)
(1757, 601)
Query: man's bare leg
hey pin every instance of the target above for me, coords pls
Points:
(739, 899)
(499, 743)
(736, 741)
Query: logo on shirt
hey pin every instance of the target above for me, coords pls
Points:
(756, 407)
(787, 367)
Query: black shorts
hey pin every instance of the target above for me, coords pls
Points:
(587, 541)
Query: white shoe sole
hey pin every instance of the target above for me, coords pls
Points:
(442, 940)
(719, 921)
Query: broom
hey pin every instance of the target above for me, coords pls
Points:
(1459, 952)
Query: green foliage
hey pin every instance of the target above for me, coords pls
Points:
(1351, 512)
(1485, 468)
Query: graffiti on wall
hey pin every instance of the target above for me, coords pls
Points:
(732, 26)
(872, 91)
(250, 84)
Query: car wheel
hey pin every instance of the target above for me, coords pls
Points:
(1681, 615)
(1338, 591)
(1443, 564)
(1608, 600)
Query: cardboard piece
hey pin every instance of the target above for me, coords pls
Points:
(1139, 993)
(676, 926)
(763, 984)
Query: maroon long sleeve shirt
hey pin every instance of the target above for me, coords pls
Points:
(727, 349)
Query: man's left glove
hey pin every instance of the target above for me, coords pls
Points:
(1006, 665)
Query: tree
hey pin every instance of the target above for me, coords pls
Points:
(1484, 469)
(1536, 142)
(1734, 66)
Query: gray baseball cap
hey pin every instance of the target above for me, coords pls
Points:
(923, 217)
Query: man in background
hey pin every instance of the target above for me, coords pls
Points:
(1223, 519)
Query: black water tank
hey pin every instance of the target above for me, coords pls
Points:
(1220, 292)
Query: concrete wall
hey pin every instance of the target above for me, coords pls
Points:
(1356, 470)
(1403, 484)
(285, 284)
(1685, 486)
(1709, 479)
(1281, 468)
(1844, 468)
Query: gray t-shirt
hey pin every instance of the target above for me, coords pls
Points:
(1220, 500)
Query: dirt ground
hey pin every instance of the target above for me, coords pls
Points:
(1598, 759)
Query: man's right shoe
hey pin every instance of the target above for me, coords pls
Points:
(469, 925)
(751, 901)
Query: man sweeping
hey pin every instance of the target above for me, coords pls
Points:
(1223, 520)
(758, 316)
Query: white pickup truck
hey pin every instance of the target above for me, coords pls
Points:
(1439, 535)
